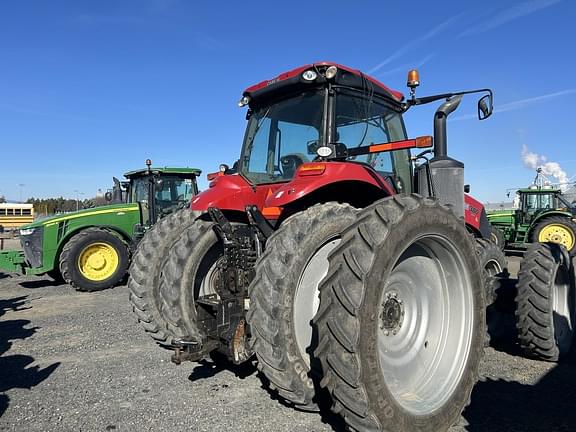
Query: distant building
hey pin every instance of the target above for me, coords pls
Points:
(499, 206)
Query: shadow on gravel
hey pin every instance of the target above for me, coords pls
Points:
(40, 283)
(547, 406)
(219, 363)
(502, 320)
(14, 370)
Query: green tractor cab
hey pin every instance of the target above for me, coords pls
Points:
(91, 248)
(542, 214)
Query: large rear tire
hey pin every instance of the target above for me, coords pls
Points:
(145, 273)
(191, 270)
(284, 298)
(94, 259)
(556, 229)
(401, 322)
(546, 302)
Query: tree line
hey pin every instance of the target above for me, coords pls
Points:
(48, 206)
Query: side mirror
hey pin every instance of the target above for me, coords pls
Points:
(159, 183)
(485, 107)
(108, 196)
(467, 188)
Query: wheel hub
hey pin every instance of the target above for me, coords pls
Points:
(557, 233)
(392, 314)
(98, 261)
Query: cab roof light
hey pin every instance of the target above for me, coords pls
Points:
(309, 75)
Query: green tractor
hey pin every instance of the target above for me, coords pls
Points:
(542, 215)
(91, 248)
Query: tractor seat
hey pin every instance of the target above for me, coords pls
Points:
(290, 163)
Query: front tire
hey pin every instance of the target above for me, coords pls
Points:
(402, 318)
(284, 298)
(494, 265)
(94, 259)
(497, 237)
(546, 302)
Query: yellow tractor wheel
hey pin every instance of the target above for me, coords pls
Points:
(556, 229)
(94, 259)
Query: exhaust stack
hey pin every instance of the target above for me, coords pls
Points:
(442, 176)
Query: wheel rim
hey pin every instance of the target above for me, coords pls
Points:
(426, 324)
(208, 284)
(557, 233)
(564, 310)
(307, 296)
(494, 238)
(98, 261)
(493, 268)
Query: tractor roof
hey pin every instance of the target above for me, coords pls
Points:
(539, 190)
(345, 76)
(164, 170)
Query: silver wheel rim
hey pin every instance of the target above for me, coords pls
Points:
(209, 281)
(493, 268)
(563, 311)
(307, 297)
(425, 324)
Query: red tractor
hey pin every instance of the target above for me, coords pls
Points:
(326, 253)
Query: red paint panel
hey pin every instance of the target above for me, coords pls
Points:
(472, 211)
(335, 172)
(231, 192)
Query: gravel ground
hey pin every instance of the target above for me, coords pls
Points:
(74, 361)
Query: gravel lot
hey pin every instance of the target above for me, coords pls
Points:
(74, 361)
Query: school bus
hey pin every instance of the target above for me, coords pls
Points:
(15, 215)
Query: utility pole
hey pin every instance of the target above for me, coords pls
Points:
(77, 200)
(78, 193)
(21, 186)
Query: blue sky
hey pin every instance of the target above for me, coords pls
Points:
(90, 89)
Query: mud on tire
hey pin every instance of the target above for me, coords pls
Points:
(145, 273)
(546, 302)
(397, 257)
(284, 298)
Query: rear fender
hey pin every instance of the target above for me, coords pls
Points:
(475, 217)
(333, 175)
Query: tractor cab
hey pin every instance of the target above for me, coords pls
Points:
(541, 214)
(322, 113)
(325, 132)
(160, 191)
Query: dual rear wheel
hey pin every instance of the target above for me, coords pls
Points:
(382, 307)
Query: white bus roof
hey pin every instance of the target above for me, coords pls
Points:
(16, 205)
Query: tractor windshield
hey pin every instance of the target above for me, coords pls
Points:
(534, 202)
(170, 192)
(285, 134)
(279, 135)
